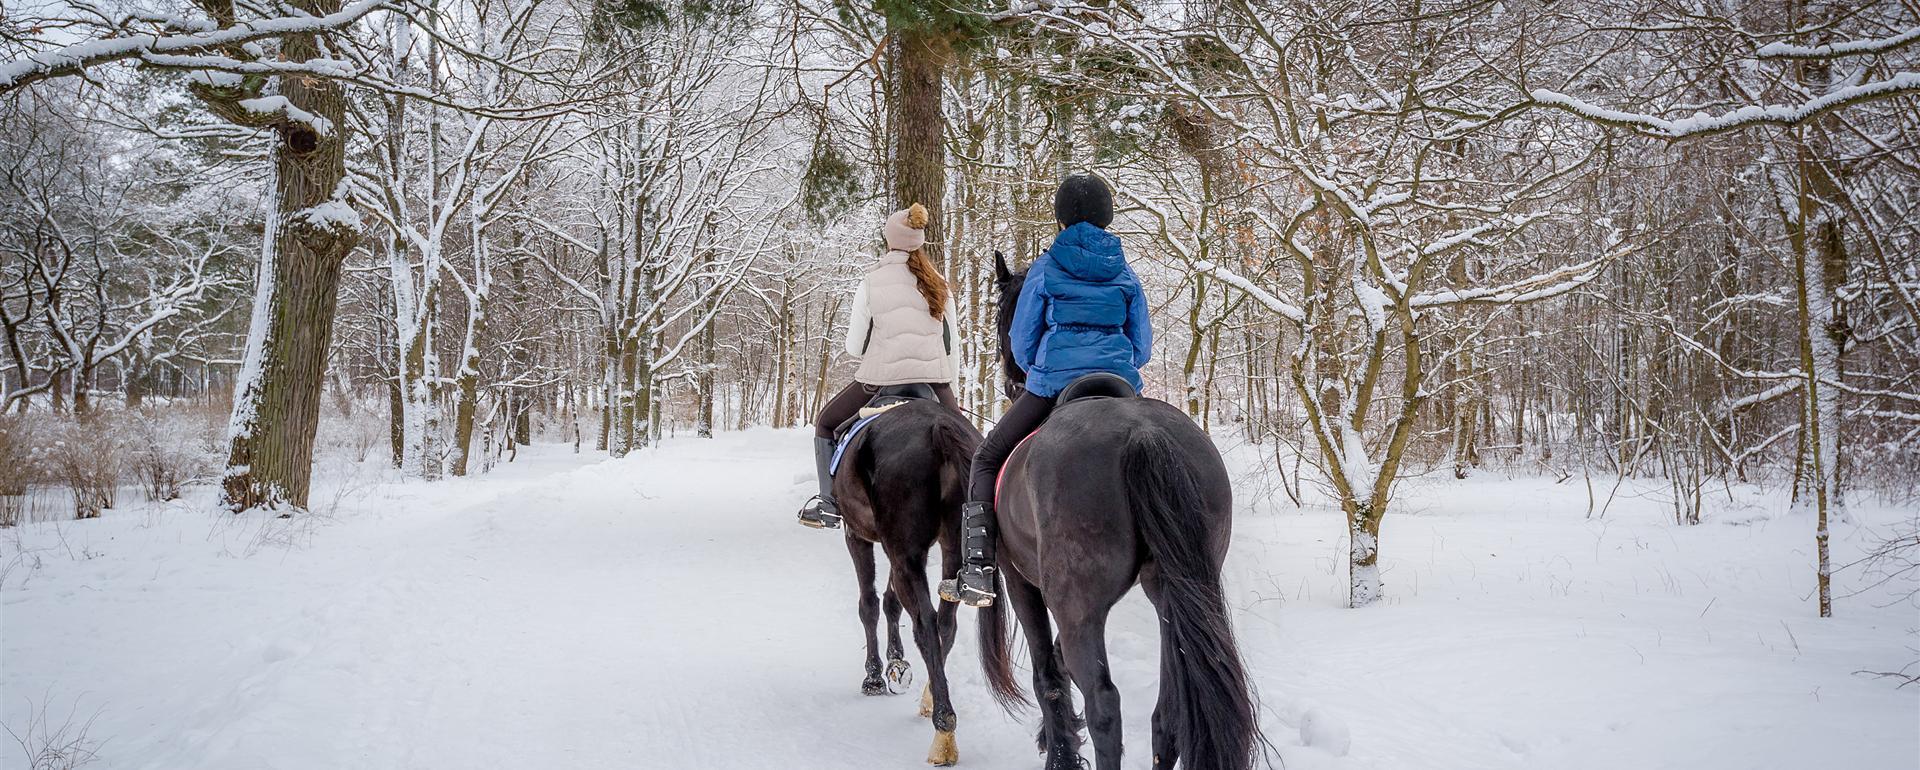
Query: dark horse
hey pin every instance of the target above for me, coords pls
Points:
(1114, 491)
(900, 485)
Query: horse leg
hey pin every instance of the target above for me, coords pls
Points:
(949, 612)
(899, 671)
(1083, 639)
(1059, 736)
(863, 571)
(910, 584)
(946, 614)
(892, 604)
(1165, 751)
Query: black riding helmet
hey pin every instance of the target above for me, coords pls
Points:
(1083, 198)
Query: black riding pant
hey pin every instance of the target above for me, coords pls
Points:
(1021, 419)
(844, 406)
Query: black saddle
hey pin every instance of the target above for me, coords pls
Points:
(892, 393)
(1096, 385)
(885, 396)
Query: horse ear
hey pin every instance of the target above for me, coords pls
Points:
(1000, 271)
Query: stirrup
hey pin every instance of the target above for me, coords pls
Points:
(819, 513)
(961, 592)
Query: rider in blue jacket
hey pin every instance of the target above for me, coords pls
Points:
(1081, 311)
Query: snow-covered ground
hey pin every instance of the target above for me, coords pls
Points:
(662, 611)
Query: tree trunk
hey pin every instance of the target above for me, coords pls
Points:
(1196, 338)
(396, 421)
(703, 426)
(1363, 559)
(783, 364)
(919, 130)
(1820, 268)
(468, 385)
(134, 383)
(277, 406)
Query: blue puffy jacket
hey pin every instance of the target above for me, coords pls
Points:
(1080, 312)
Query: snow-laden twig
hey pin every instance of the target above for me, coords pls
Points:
(1536, 287)
(1266, 298)
(1785, 50)
(1702, 124)
(75, 58)
(280, 105)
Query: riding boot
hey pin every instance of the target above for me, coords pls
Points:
(820, 512)
(976, 586)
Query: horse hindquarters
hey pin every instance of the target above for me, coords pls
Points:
(1205, 702)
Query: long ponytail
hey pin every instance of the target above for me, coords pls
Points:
(931, 283)
(926, 277)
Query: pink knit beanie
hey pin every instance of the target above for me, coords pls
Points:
(906, 229)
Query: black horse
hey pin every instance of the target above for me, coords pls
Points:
(1113, 491)
(901, 482)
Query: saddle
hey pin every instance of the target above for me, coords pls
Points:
(885, 398)
(1096, 385)
(1083, 388)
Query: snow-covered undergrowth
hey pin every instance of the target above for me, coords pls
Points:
(662, 611)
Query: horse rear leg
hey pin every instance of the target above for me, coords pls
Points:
(910, 584)
(1059, 736)
(1166, 751)
(899, 671)
(1083, 640)
(946, 615)
(864, 573)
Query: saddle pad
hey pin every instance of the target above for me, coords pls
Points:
(840, 449)
(875, 410)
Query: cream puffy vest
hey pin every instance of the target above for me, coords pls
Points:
(897, 339)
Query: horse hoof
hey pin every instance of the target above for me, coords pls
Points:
(945, 753)
(874, 685)
(899, 676)
(926, 702)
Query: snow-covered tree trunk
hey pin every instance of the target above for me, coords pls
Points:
(466, 406)
(467, 378)
(703, 380)
(276, 405)
(1819, 262)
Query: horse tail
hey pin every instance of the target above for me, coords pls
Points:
(955, 440)
(1211, 710)
(996, 638)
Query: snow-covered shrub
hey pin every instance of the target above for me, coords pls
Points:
(20, 465)
(86, 457)
(169, 448)
(355, 433)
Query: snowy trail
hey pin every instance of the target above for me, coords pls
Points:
(662, 611)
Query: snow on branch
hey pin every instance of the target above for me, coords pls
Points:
(1532, 288)
(336, 212)
(1784, 50)
(1702, 124)
(279, 105)
(1285, 309)
(75, 58)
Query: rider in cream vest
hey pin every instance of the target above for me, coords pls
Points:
(901, 328)
(892, 331)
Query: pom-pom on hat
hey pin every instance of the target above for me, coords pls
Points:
(906, 229)
(1083, 198)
